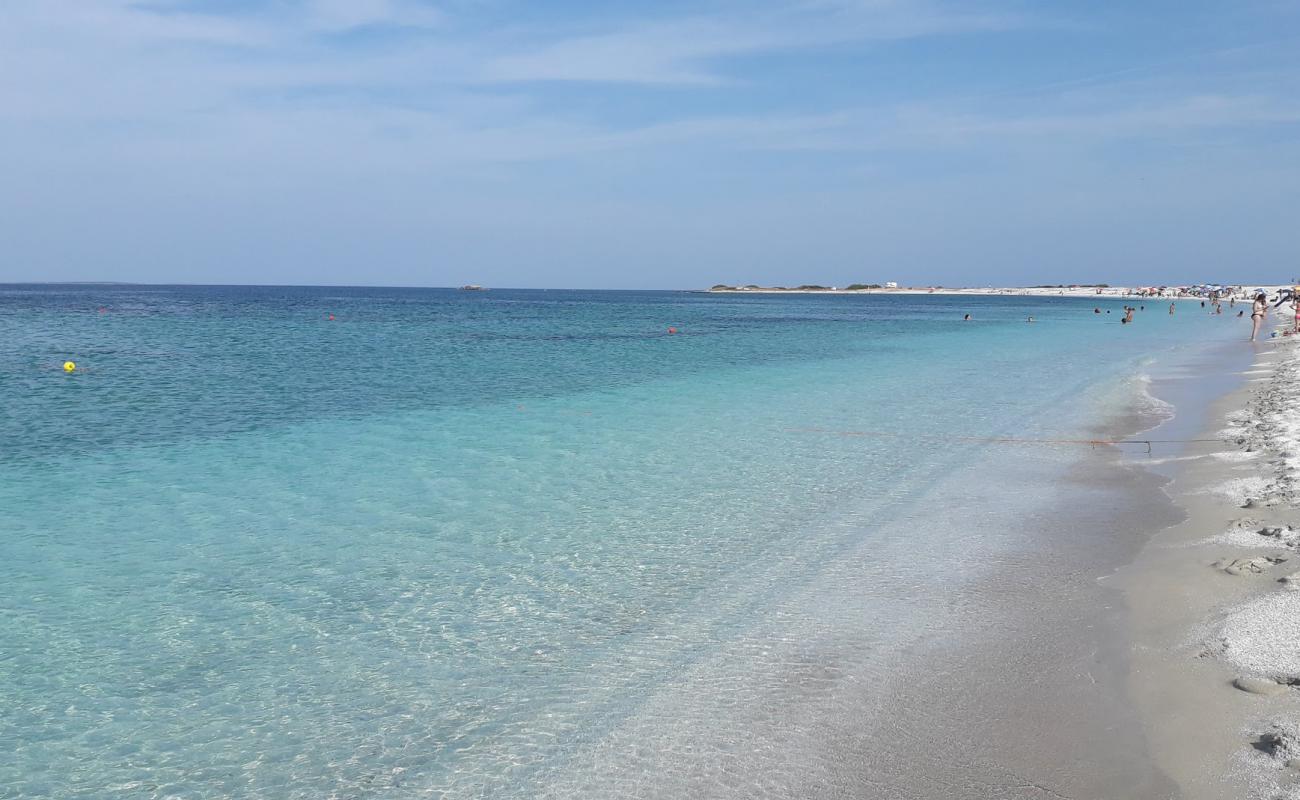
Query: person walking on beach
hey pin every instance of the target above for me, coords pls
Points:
(1257, 312)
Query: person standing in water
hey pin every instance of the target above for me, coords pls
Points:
(1171, 308)
(1257, 312)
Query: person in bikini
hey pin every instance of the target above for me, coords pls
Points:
(1257, 312)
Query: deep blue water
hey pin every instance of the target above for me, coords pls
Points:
(463, 544)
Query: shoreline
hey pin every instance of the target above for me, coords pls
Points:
(1213, 637)
(973, 708)
(1015, 685)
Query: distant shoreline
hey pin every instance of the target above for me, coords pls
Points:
(1047, 291)
(1013, 291)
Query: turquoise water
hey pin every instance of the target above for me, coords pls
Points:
(510, 543)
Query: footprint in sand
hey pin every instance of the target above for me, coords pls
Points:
(1265, 686)
(1248, 566)
(1279, 744)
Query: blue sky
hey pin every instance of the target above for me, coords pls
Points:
(649, 145)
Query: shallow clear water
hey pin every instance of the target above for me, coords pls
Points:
(510, 543)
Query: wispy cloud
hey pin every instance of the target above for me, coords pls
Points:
(263, 77)
(119, 23)
(687, 51)
(346, 15)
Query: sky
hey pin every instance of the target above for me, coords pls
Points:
(663, 144)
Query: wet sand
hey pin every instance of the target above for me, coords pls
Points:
(1019, 693)
(1031, 702)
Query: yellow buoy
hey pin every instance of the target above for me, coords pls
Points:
(69, 366)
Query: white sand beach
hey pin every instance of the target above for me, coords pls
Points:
(1215, 611)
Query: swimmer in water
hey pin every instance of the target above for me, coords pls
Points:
(966, 318)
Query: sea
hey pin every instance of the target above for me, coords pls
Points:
(327, 542)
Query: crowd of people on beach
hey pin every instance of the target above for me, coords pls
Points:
(1214, 299)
